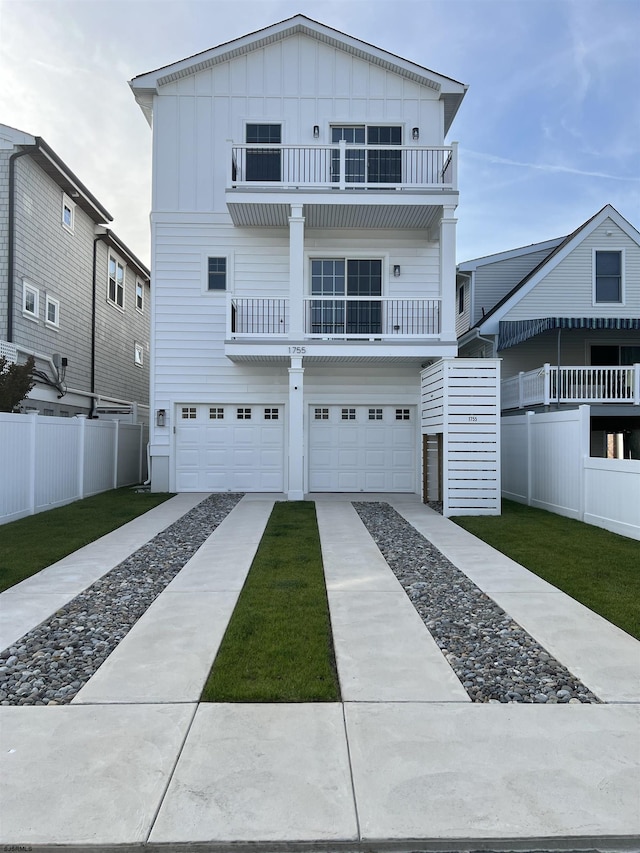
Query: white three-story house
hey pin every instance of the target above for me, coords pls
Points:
(303, 262)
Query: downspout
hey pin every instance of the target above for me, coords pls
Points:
(10, 248)
(92, 408)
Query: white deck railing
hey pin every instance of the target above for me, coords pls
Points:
(343, 166)
(331, 317)
(548, 385)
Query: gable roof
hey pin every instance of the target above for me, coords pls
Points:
(145, 85)
(489, 323)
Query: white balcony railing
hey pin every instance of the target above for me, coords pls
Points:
(343, 166)
(336, 318)
(550, 385)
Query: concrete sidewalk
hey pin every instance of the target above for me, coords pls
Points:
(404, 762)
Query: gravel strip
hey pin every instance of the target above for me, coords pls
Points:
(495, 659)
(49, 664)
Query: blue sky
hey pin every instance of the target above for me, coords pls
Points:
(549, 130)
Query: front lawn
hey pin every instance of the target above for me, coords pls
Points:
(597, 568)
(278, 645)
(32, 543)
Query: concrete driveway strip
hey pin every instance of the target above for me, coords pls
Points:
(167, 655)
(384, 652)
(502, 772)
(86, 775)
(261, 773)
(30, 602)
(605, 658)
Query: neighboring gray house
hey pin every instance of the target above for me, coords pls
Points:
(564, 317)
(71, 293)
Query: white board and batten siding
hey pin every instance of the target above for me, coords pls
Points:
(460, 400)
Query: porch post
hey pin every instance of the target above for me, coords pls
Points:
(295, 491)
(296, 273)
(447, 273)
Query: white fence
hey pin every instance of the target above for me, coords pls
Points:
(546, 464)
(47, 462)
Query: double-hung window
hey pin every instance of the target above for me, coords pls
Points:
(343, 278)
(263, 164)
(115, 290)
(52, 311)
(139, 296)
(30, 301)
(608, 276)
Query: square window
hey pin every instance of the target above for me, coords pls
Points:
(321, 414)
(608, 276)
(216, 413)
(30, 300)
(115, 291)
(243, 414)
(216, 273)
(68, 213)
(403, 415)
(375, 414)
(52, 311)
(139, 296)
(271, 414)
(348, 414)
(188, 413)
(138, 355)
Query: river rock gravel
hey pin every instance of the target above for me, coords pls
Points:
(49, 664)
(495, 658)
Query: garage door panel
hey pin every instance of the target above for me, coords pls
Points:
(223, 453)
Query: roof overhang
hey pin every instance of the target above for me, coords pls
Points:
(513, 332)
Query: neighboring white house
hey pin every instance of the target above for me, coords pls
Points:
(303, 245)
(564, 317)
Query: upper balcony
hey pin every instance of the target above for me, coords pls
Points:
(341, 185)
(551, 385)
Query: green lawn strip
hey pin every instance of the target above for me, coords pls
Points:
(31, 543)
(278, 645)
(597, 568)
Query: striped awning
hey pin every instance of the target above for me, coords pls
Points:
(512, 332)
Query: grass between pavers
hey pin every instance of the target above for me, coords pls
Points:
(278, 645)
(598, 568)
(32, 543)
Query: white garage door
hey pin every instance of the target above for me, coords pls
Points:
(362, 449)
(223, 448)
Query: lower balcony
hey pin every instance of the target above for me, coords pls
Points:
(550, 385)
(334, 327)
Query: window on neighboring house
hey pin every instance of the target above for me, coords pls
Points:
(52, 312)
(30, 301)
(263, 164)
(608, 276)
(139, 295)
(342, 277)
(216, 273)
(138, 355)
(614, 355)
(461, 299)
(115, 293)
(68, 213)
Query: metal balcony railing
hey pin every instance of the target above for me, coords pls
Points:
(331, 317)
(549, 385)
(343, 166)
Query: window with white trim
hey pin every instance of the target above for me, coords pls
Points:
(403, 415)
(607, 275)
(321, 414)
(271, 414)
(188, 413)
(348, 414)
(216, 413)
(343, 278)
(139, 295)
(216, 273)
(52, 312)
(375, 414)
(30, 301)
(243, 414)
(138, 355)
(68, 213)
(115, 289)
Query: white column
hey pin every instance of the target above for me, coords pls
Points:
(448, 273)
(296, 273)
(295, 491)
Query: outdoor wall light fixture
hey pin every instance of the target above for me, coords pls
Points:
(415, 133)
(160, 417)
(396, 270)
(316, 131)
